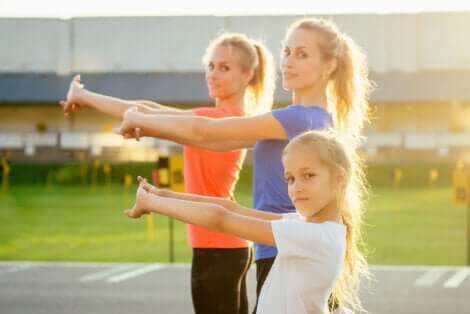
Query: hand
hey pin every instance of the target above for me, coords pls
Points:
(141, 204)
(73, 103)
(146, 109)
(149, 187)
(127, 128)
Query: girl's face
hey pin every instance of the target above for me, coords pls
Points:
(311, 186)
(224, 74)
(302, 65)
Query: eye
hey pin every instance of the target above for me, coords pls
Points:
(301, 55)
(210, 66)
(309, 175)
(224, 68)
(289, 179)
(286, 52)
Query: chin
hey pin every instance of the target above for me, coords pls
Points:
(213, 95)
(286, 86)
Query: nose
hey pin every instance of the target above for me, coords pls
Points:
(212, 73)
(296, 187)
(286, 62)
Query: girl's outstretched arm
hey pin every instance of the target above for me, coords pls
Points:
(225, 203)
(208, 215)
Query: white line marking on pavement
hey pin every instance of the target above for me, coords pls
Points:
(135, 273)
(105, 273)
(86, 264)
(457, 278)
(412, 268)
(16, 268)
(430, 277)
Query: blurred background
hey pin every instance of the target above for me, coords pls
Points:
(66, 180)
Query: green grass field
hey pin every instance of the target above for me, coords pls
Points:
(413, 225)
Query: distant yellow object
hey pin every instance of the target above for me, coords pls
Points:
(397, 177)
(127, 182)
(176, 171)
(461, 184)
(433, 176)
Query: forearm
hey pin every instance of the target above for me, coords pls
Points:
(206, 215)
(216, 146)
(109, 105)
(225, 203)
(156, 108)
(181, 128)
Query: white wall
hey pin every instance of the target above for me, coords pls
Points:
(394, 43)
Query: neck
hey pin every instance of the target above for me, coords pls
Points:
(328, 213)
(235, 100)
(312, 96)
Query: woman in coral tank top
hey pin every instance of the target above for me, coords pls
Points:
(240, 78)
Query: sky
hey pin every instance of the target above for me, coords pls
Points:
(76, 8)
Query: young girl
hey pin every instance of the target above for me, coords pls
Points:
(317, 245)
(240, 77)
(327, 75)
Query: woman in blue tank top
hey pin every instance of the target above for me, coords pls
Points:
(327, 74)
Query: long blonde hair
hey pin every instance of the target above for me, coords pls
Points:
(349, 85)
(339, 156)
(255, 56)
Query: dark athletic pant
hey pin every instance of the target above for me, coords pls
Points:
(263, 266)
(218, 280)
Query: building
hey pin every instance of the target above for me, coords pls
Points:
(420, 63)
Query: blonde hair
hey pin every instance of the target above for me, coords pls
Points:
(348, 86)
(339, 156)
(254, 56)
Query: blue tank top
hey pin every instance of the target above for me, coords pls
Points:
(269, 187)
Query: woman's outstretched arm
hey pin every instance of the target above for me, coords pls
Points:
(203, 129)
(79, 97)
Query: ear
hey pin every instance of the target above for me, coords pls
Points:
(331, 66)
(341, 179)
(250, 74)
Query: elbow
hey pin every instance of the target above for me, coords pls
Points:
(217, 218)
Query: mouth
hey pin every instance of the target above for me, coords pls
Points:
(288, 76)
(300, 199)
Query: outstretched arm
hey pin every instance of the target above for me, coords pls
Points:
(217, 146)
(225, 203)
(203, 129)
(208, 215)
(79, 97)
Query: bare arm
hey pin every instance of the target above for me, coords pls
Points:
(79, 97)
(218, 146)
(226, 203)
(208, 215)
(203, 129)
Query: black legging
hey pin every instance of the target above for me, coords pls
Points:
(263, 266)
(218, 280)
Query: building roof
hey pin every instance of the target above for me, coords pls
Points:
(190, 87)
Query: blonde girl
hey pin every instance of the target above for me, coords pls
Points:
(318, 245)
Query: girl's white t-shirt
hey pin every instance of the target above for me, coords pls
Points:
(309, 262)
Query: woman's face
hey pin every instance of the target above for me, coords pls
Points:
(310, 183)
(225, 76)
(302, 65)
